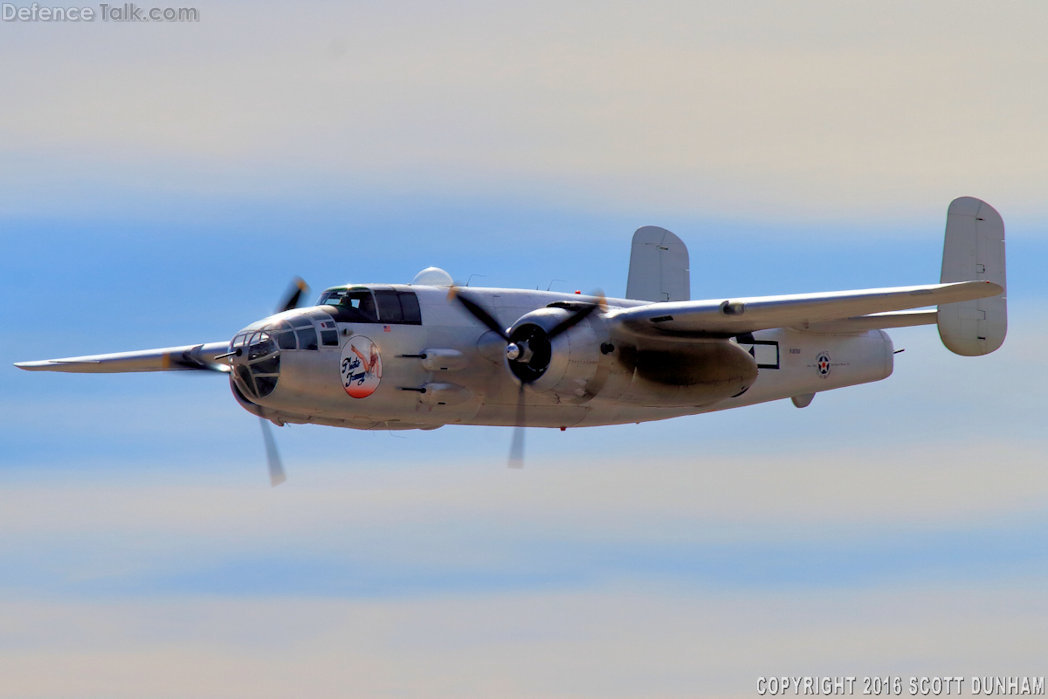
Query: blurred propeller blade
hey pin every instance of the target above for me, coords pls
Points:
(193, 361)
(199, 366)
(276, 468)
(516, 447)
(300, 287)
(478, 312)
(572, 320)
(521, 353)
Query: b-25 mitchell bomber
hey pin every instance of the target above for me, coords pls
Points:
(430, 353)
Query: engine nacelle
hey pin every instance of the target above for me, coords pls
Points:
(568, 365)
(676, 371)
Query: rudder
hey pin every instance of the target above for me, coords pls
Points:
(658, 267)
(973, 250)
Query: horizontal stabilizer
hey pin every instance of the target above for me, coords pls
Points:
(188, 358)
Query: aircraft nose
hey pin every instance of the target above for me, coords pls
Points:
(256, 363)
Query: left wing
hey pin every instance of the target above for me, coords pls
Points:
(190, 357)
(712, 318)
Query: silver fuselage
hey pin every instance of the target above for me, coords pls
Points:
(448, 369)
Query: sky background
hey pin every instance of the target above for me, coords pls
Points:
(161, 185)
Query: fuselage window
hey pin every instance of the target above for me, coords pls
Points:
(388, 307)
(307, 338)
(409, 307)
(282, 334)
(285, 339)
(329, 337)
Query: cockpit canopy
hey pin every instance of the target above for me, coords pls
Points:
(363, 304)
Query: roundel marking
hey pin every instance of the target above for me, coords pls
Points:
(361, 367)
(822, 364)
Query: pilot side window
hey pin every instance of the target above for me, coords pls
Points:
(362, 305)
(398, 307)
(357, 306)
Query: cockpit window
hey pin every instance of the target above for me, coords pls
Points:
(362, 305)
(354, 305)
(398, 307)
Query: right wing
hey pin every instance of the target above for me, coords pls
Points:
(877, 321)
(188, 358)
(725, 318)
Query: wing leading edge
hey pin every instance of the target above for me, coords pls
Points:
(187, 358)
(805, 311)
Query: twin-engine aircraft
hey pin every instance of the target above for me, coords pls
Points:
(429, 353)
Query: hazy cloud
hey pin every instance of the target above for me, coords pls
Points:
(815, 111)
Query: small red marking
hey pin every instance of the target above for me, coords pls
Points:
(577, 291)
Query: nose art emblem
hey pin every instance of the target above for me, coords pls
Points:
(361, 367)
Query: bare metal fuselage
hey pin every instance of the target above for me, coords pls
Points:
(448, 369)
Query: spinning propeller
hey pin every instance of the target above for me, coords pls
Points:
(529, 351)
(294, 295)
(276, 466)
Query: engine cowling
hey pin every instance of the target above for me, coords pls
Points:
(568, 363)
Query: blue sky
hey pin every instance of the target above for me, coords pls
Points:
(162, 185)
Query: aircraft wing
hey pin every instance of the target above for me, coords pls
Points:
(188, 358)
(743, 315)
(877, 321)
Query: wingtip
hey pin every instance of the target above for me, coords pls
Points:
(995, 288)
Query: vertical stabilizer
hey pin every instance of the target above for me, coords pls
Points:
(973, 250)
(658, 267)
